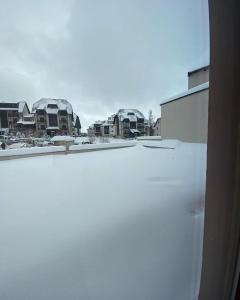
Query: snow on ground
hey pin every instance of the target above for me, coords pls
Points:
(31, 150)
(102, 145)
(99, 140)
(60, 138)
(118, 224)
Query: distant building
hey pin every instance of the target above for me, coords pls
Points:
(129, 123)
(27, 125)
(157, 127)
(108, 128)
(76, 125)
(185, 116)
(104, 128)
(11, 113)
(55, 117)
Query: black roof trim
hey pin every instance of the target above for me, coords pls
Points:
(197, 70)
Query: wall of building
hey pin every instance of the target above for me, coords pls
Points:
(157, 128)
(186, 119)
(199, 77)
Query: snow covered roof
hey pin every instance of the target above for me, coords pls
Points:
(18, 106)
(21, 106)
(61, 104)
(134, 131)
(131, 114)
(189, 92)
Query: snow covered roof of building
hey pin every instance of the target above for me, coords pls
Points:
(55, 104)
(18, 106)
(189, 92)
(131, 114)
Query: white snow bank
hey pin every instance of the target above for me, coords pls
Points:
(122, 224)
(101, 146)
(33, 150)
(60, 138)
(149, 138)
(171, 144)
(17, 146)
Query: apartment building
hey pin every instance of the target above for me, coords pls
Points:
(55, 117)
(129, 123)
(11, 113)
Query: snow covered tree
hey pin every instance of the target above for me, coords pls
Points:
(151, 122)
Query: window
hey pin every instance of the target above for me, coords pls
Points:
(62, 112)
(41, 112)
(54, 106)
(106, 129)
(53, 120)
(63, 120)
(98, 129)
(133, 125)
(127, 222)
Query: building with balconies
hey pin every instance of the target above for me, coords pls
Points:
(129, 123)
(55, 117)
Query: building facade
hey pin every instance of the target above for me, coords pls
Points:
(55, 117)
(104, 128)
(129, 123)
(198, 76)
(27, 125)
(76, 125)
(157, 127)
(11, 113)
(185, 116)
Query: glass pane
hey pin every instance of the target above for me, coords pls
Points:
(129, 77)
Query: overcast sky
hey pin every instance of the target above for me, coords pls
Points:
(101, 55)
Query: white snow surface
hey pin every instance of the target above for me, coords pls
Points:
(118, 224)
(59, 138)
(31, 150)
(61, 103)
(149, 138)
(102, 146)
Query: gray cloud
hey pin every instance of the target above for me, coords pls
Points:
(101, 55)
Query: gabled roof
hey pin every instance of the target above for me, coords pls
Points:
(130, 114)
(158, 119)
(62, 104)
(17, 106)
